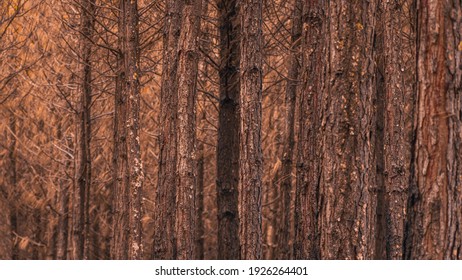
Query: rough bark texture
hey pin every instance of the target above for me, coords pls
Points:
(228, 132)
(164, 220)
(187, 81)
(337, 167)
(314, 60)
(81, 193)
(284, 230)
(347, 175)
(436, 216)
(395, 108)
(251, 165)
(126, 243)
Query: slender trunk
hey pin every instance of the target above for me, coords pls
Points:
(165, 205)
(271, 194)
(63, 207)
(228, 132)
(284, 234)
(436, 231)
(250, 158)
(83, 155)
(206, 46)
(186, 137)
(129, 178)
(200, 202)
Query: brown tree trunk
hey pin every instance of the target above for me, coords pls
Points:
(83, 154)
(336, 194)
(203, 79)
(200, 232)
(187, 81)
(62, 228)
(250, 157)
(435, 230)
(128, 166)
(314, 60)
(228, 132)
(164, 223)
(284, 234)
(347, 198)
(395, 103)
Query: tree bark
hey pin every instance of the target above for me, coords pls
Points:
(250, 157)
(336, 193)
(129, 178)
(284, 234)
(187, 82)
(83, 152)
(164, 223)
(62, 228)
(395, 104)
(228, 132)
(348, 193)
(436, 201)
(314, 63)
(200, 232)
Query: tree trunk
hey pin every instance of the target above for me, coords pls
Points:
(83, 154)
(164, 223)
(203, 79)
(228, 132)
(336, 191)
(395, 104)
(314, 63)
(284, 234)
(187, 82)
(63, 205)
(129, 177)
(435, 212)
(250, 159)
(348, 165)
(200, 203)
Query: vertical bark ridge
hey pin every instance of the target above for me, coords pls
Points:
(436, 229)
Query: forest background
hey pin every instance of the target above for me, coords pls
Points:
(230, 129)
